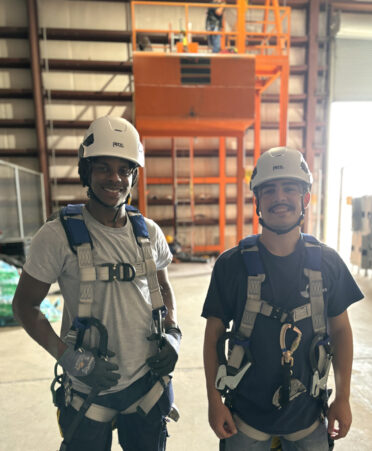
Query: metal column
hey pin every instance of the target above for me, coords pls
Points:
(38, 99)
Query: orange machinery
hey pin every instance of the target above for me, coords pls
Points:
(205, 94)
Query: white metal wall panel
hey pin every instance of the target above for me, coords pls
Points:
(352, 59)
(353, 70)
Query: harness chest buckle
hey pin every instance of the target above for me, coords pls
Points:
(277, 313)
(124, 272)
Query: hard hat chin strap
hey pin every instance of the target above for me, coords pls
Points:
(92, 195)
(282, 231)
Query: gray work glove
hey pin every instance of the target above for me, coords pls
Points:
(164, 361)
(89, 368)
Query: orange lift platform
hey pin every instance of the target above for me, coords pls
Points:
(184, 94)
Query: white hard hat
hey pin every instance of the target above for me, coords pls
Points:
(112, 137)
(279, 163)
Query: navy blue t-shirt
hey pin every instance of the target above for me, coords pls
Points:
(286, 287)
(214, 19)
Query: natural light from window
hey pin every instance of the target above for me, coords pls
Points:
(349, 169)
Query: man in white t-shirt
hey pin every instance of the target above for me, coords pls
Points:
(139, 354)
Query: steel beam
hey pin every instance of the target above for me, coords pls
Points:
(257, 148)
(13, 33)
(311, 87)
(240, 188)
(26, 123)
(14, 63)
(124, 67)
(38, 99)
(222, 193)
(73, 34)
(312, 77)
(94, 96)
(16, 93)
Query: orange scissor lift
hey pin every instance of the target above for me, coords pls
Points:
(184, 94)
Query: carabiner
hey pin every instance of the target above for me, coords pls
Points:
(287, 352)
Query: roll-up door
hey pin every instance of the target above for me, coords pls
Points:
(352, 58)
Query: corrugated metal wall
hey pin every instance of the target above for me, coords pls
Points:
(352, 58)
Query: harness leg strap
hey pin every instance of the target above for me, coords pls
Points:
(95, 412)
(148, 401)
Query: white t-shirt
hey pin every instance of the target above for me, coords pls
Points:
(123, 307)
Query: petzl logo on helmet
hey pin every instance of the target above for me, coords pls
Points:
(116, 144)
(278, 167)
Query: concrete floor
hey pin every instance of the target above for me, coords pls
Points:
(28, 420)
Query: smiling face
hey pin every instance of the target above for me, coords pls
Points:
(111, 179)
(280, 202)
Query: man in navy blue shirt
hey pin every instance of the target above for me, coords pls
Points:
(299, 324)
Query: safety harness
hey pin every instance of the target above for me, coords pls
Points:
(81, 244)
(231, 370)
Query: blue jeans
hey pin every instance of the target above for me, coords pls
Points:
(316, 441)
(136, 433)
(214, 40)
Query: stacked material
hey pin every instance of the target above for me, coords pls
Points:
(361, 247)
(9, 276)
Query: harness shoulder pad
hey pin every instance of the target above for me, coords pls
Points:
(248, 241)
(313, 256)
(137, 221)
(310, 238)
(251, 256)
(74, 225)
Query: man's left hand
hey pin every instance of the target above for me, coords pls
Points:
(164, 361)
(339, 411)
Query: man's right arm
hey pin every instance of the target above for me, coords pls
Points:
(85, 365)
(220, 418)
(26, 307)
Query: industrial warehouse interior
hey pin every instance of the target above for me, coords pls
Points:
(293, 73)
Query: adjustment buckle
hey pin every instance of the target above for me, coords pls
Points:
(277, 313)
(318, 381)
(244, 342)
(123, 272)
(225, 382)
(315, 386)
(159, 312)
